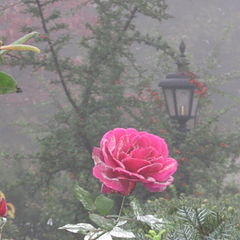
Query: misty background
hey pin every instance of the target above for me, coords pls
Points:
(211, 32)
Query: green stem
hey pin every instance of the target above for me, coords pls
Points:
(121, 208)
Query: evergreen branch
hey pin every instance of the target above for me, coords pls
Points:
(200, 219)
(6, 7)
(61, 77)
(105, 56)
(129, 20)
(134, 116)
(55, 58)
(158, 44)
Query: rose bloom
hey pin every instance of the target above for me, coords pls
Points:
(3, 208)
(127, 156)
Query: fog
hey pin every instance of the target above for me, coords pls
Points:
(211, 32)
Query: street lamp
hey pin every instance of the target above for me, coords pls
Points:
(179, 92)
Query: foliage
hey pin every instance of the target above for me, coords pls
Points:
(34, 208)
(110, 89)
(198, 218)
(8, 83)
(185, 218)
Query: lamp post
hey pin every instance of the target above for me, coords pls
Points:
(179, 92)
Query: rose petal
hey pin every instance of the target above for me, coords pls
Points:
(123, 145)
(145, 139)
(128, 188)
(159, 144)
(158, 186)
(150, 169)
(169, 169)
(106, 189)
(133, 164)
(111, 145)
(158, 160)
(117, 133)
(139, 141)
(123, 173)
(106, 175)
(109, 159)
(144, 153)
(122, 155)
(97, 155)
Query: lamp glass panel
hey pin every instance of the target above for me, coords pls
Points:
(170, 101)
(183, 98)
(194, 106)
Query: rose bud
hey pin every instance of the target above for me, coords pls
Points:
(3, 208)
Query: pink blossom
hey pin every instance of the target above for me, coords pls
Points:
(128, 156)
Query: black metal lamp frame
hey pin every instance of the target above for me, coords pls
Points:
(180, 81)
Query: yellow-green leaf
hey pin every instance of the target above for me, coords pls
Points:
(20, 47)
(7, 84)
(21, 40)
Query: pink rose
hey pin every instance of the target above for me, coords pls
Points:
(127, 156)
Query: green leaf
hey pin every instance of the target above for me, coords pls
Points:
(98, 235)
(121, 233)
(102, 221)
(85, 198)
(83, 228)
(3, 221)
(151, 221)
(7, 84)
(5, 155)
(135, 205)
(103, 204)
(161, 234)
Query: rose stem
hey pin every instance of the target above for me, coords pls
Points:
(121, 208)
